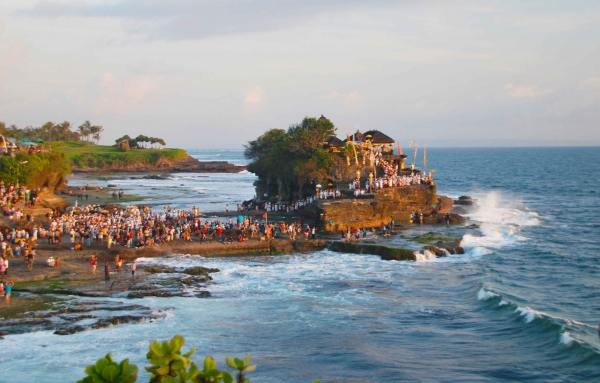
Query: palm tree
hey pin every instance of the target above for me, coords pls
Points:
(64, 131)
(94, 132)
(85, 129)
(47, 131)
(98, 133)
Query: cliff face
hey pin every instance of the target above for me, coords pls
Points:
(186, 164)
(386, 204)
(52, 181)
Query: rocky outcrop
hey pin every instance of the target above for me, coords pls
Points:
(465, 200)
(66, 317)
(186, 164)
(387, 253)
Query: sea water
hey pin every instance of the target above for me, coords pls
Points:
(522, 304)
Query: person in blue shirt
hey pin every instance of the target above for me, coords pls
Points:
(8, 291)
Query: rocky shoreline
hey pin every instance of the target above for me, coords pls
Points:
(187, 164)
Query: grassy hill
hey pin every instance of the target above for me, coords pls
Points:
(84, 155)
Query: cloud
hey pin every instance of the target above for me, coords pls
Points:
(354, 98)
(113, 94)
(593, 82)
(255, 100)
(520, 91)
(183, 19)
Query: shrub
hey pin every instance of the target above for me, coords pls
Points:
(169, 365)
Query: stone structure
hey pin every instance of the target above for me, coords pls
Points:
(377, 209)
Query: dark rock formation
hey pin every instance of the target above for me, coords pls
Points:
(199, 270)
(465, 200)
(386, 253)
(67, 318)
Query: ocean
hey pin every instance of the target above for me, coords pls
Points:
(522, 304)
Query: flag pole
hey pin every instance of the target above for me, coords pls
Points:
(425, 158)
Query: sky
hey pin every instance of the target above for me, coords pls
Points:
(218, 73)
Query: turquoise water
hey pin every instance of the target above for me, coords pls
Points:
(521, 304)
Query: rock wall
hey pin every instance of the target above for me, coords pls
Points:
(387, 204)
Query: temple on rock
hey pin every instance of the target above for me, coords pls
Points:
(359, 181)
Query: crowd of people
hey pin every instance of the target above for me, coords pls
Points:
(287, 207)
(389, 179)
(11, 194)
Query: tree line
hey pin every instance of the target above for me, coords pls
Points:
(64, 131)
(126, 143)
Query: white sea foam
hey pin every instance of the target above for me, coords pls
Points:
(566, 338)
(529, 313)
(500, 223)
(424, 256)
(484, 295)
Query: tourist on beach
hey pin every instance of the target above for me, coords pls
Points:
(94, 264)
(8, 291)
(30, 259)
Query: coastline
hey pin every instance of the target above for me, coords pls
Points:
(50, 292)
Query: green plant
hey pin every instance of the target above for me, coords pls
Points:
(169, 365)
(105, 370)
(210, 373)
(242, 367)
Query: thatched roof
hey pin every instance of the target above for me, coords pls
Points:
(333, 142)
(322, 118)
(378, 138)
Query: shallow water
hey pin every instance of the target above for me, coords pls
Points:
(521, 304)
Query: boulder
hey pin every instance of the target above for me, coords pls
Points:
(199, 270)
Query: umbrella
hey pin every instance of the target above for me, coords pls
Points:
(240, 218)
(38, 140)
(10, 139)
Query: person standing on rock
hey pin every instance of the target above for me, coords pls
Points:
(106, 272)
(133, 267)
(94, 264)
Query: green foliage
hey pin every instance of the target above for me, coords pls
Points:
(169, 365)
(241, 366)
(82, 155)
(295, 156)
(33, 169)
(105, 370)
(47, 132)
(210, 373)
